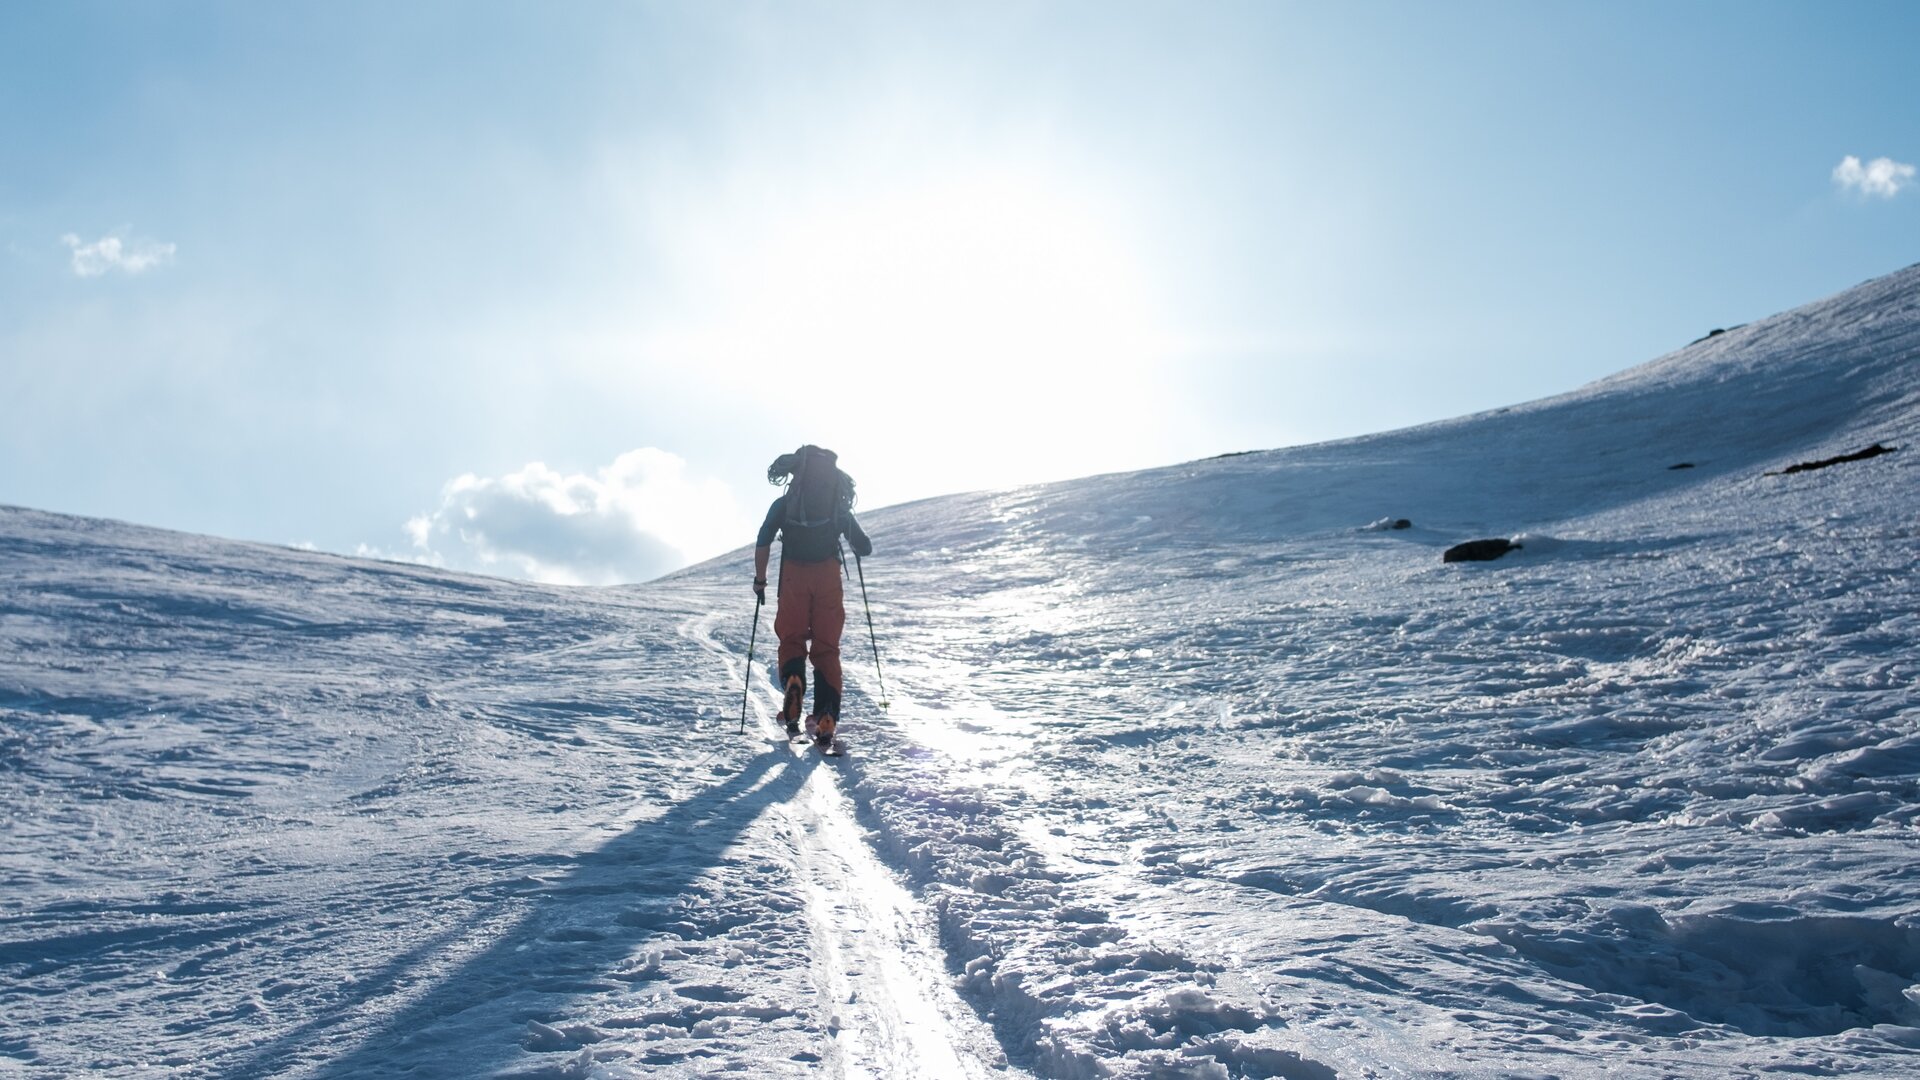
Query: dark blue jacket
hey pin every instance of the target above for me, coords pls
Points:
(812, 543)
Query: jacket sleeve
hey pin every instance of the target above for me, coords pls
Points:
(856, 536)
(772, 525)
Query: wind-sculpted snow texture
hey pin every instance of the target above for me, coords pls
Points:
(1187, 773)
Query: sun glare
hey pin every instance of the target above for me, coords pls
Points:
(994, 302)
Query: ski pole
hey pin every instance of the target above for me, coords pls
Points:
(758, 602)
(870, 638)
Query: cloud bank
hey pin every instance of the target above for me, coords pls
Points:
(1880, 178)
(640, 517)
(114, 253)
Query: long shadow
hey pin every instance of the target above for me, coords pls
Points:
(621, 891)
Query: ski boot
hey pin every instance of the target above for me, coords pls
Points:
(826, 714)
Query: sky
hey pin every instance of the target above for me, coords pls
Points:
(541, 289)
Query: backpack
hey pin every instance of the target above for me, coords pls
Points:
(817, 491)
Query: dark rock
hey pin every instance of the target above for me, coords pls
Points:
(1479, 550)
(1388, 523)
(1714, 333)
(1858, 455)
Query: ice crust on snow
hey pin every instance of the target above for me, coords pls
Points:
(1187, 774)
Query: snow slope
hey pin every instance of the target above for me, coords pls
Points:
(1187, 772)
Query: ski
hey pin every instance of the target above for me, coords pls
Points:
(827, 740)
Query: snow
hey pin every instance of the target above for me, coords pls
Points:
(1204, 771)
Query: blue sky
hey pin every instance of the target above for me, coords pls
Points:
(541, 288)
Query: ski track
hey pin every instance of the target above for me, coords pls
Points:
(882, 982)
(878, 971)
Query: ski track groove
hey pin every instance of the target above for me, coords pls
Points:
(879, 975)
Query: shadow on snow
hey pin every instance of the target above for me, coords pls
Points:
(585, 925)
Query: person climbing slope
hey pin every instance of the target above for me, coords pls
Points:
(810, 517)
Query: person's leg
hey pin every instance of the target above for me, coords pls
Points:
(829, 619)
(790, 624)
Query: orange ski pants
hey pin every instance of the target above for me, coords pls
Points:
(808, 622)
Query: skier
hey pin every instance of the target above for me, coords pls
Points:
(810, 517)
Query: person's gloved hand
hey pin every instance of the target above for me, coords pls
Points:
(760, 589)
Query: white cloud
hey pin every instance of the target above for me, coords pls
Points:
(116, 253)
(642, 516)
(1882, 177)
